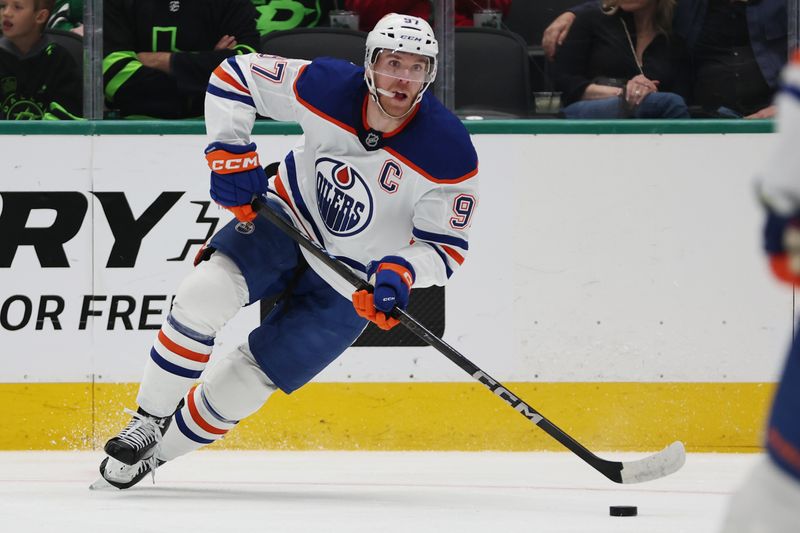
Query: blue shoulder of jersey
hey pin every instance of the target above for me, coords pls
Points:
(437, 143)
(333, 87)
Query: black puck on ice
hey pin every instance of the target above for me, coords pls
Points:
(623, 510)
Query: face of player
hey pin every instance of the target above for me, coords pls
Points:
(20, 18)
(401, 74)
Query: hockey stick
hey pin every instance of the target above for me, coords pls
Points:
(655, 466)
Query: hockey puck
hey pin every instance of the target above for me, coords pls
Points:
(623, 510)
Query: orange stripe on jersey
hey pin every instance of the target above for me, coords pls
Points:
(230, 80)
(180, 350)
(395, 131)
(314, 109)
(425, 174)
(281, 190)
(402, 126)
(457, 257)
(199, 419)
(795, 57)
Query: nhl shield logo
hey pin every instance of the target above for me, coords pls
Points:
(344, 199)
(372, 139)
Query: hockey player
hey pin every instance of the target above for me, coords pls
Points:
(384, 178)
(769, 500)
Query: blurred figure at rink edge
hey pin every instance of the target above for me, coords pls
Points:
(769, 499)
(384, 178)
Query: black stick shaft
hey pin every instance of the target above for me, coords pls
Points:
(610, 469)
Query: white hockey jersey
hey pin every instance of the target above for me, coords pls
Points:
(359, 193)
(779, 182)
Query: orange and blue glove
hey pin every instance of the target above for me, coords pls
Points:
(236, 176)
(782, 243)
(393, 278)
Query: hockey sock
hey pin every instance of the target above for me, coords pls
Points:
(195, 424)
(233, 389)
(177, 358)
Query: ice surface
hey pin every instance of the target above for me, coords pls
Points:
(231, 492)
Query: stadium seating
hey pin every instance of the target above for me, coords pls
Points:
(529, 18)
(309, 43)
(491, 73)
(72, 42)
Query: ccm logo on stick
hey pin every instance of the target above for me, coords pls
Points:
(509, 398)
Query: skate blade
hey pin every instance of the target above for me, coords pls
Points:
(101, 484)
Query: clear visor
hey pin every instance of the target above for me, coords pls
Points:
(403, 66)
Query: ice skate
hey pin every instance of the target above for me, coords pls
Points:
(123, 476)
(140, 438)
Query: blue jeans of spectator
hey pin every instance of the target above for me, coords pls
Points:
(654, 105)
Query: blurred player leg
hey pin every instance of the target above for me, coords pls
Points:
(769, 500)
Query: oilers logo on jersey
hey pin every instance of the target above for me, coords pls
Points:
(343, 197)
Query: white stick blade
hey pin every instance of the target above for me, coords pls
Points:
(663, 463)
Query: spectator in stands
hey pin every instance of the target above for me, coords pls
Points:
(38, 78)
(736, 50)
(371, 11)
(159, 54)
(67, 15)
(275, 15)
(619, 62)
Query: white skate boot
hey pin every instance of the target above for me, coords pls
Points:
(123, 476)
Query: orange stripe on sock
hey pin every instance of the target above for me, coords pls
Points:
(784, 448)
(180, 350)
(199, 419)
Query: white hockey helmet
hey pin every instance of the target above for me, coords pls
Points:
(401, 33)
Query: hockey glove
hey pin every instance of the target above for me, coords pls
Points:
(782, 243)
(236, 176)
(392, 277)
